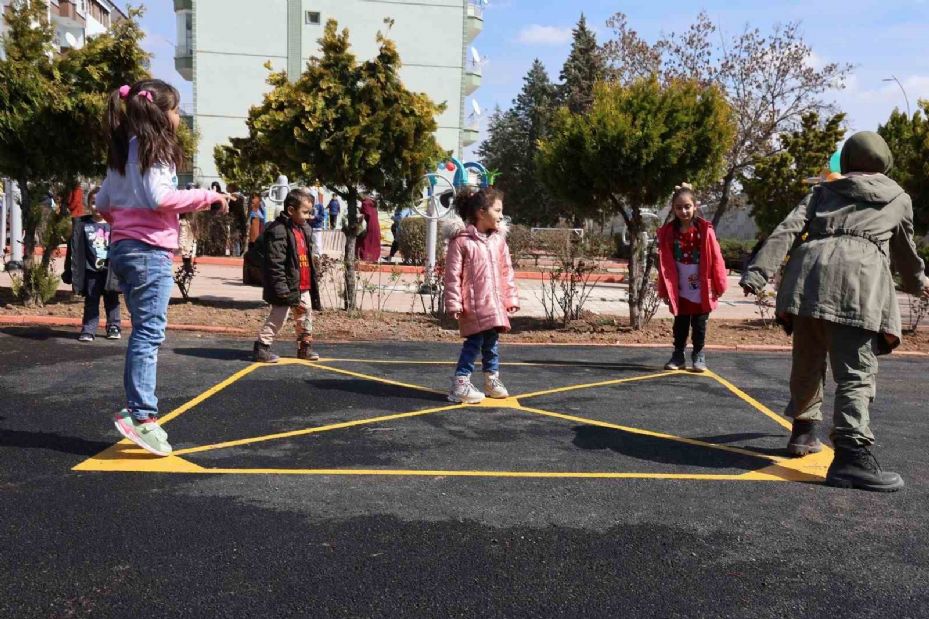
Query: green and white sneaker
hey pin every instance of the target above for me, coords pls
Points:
(146, 434)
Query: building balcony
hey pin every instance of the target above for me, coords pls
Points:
(469, 135)
(472, 79)
(184, 61)
(183, 5)
(71, 13)
(474, 20)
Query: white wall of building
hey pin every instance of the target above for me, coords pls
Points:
(233, 39)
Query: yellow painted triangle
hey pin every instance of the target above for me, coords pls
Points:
(811, 468)
(126, 457)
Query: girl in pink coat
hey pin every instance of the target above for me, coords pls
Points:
(480, 290)
(691, 276)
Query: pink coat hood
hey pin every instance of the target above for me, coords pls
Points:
(479, 279)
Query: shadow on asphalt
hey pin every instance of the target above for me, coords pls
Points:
(661, 450)
(375, 389)
(594, 365)
(723, 439)
(217, 354)
(39, 333)
(52, 441)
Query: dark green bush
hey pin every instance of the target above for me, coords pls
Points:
(735, 252)
(411, 239)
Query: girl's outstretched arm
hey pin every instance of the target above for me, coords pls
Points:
(162, 195)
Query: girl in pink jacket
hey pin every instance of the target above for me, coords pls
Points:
(691, 275)
(480, 290)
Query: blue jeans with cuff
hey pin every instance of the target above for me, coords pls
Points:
(146, 276)
(483, 343)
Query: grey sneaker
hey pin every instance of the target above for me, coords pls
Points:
(463, 392)
(677, 361)
(146, 434)
(85, 337)
(493, 386)
(699, 362)
(113, 332)
(262, 354)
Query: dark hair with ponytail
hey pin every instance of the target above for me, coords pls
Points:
(141, 111)
(469, 203)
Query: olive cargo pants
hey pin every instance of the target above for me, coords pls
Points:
(852, 354)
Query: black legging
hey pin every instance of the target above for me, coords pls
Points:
(683, 324)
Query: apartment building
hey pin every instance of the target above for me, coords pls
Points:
(75, 20)
(222, 46)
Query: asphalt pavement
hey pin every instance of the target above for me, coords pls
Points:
(604, 486)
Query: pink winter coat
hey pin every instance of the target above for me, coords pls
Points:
(479, 279)
(712, 268)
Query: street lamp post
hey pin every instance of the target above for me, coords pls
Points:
(893, 78)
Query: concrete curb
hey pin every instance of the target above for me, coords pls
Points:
(62, 321)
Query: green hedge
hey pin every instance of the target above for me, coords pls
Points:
(735, 252)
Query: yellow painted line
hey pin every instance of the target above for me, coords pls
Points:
(750, 400)
(207, 394)
(604, 383)
(661, 435)
(316, 430)
(386, 381)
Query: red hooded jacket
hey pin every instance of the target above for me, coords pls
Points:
(712, 268)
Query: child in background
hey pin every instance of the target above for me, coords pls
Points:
(140, 199)
(480, 290)
(691, 276)
(837, 297)
(288, 277)
(87, 270)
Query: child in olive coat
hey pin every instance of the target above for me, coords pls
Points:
(838, 298)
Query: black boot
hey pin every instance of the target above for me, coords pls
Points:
(803, 439)
(856, 467)
(262, 354)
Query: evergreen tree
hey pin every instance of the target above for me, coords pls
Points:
(585, 66)
(777, 185)
(513, 143)
(908, 139)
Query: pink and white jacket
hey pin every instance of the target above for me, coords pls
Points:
(479, 279)
(145, 207)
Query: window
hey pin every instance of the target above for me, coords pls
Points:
(312, 18)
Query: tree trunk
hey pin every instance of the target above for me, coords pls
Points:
(636, 272)
(723, 205)
(30, 294)
(351, 238)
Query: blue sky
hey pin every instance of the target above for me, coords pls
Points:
(879, 37)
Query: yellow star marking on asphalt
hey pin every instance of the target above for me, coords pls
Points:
(126, 457)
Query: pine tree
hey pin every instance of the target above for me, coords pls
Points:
(585, 66)
(512, 146)
(908, 138)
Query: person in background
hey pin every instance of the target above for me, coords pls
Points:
(334, 208)
(400, 213)
(87, 269)
(75, 200)
(368, 247)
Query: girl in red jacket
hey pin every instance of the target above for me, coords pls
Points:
(480, 290)
(691, 275)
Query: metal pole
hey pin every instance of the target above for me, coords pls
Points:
(4, 209)
(16, 230)
(893, 78)
(432, 234)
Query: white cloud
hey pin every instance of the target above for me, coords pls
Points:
(543, 35)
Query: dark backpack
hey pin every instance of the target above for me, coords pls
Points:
(253, 262)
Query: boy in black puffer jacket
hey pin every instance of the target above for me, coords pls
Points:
(288, 278)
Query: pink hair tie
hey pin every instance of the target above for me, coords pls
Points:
(146, 94)
(124, 91)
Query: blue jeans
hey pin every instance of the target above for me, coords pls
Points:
(94, 288)
(484, 343)
(146, 277)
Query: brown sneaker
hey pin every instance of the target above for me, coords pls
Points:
(803, 439)
(305, 352)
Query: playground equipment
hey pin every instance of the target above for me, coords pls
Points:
(434, 196)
